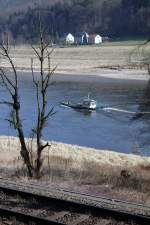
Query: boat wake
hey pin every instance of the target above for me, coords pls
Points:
(104, 108)
(109, 109)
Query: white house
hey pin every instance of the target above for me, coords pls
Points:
(68, 39)
(95, 39)
(81, 38)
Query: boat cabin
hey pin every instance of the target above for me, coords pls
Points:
(89, 103)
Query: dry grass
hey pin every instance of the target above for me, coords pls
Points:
(85, 166)
(90, 59)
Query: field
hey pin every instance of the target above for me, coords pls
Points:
(83, 59)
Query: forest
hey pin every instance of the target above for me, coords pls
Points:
(118, 19)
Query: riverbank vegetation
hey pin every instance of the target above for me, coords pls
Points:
(83, 169)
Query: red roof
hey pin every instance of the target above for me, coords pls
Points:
(92, 35)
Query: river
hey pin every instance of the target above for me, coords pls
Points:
(111, 130)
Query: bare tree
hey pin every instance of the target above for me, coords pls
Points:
(141, 55)
(144, 50)
(43, 53)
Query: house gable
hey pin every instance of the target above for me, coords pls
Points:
(81, 38)
(95, 39)
(70, 39)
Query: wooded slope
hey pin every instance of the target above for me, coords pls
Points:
(114, 18)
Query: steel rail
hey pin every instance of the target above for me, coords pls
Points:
(26, 218)
(77, 195)
(80, 207)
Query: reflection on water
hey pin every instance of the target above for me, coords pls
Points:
(105, 130)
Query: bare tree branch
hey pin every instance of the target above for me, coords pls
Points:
(50, 113)
(2, 73)
(36, 52)
(6, 103)
(13, 89)
(43, 54)
(5, 84)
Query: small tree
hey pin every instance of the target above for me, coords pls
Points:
(43, 53)
(145, 54)
(144, 51)
(142, 55)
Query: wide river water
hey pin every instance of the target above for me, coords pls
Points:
(111, 130)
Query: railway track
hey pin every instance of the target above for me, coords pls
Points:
(34, 204)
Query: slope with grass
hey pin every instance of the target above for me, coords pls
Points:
(83, 169)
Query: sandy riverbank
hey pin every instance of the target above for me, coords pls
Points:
(104, 77)
(88, 63)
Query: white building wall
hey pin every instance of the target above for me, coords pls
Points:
(98, 39)
(95, 39)
(70, 39)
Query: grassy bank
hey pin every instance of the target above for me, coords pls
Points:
(81, 167)
(89, 59)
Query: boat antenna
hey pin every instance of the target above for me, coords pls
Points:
(89, 95)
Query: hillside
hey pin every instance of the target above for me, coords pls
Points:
(9, 6)
(115, 18)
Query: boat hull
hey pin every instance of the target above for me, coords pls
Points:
(79, 107)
